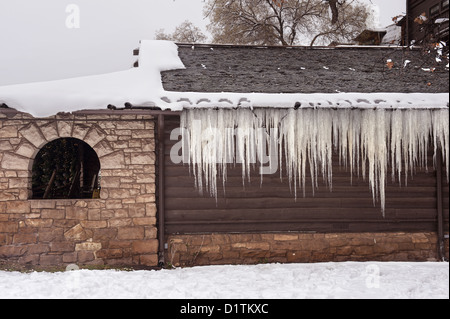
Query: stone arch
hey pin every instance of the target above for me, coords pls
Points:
(65, 168)
(37, 134)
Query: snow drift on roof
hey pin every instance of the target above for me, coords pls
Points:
(136, 86)
(142, 86)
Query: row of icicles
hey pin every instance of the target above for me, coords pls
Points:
(367, 141)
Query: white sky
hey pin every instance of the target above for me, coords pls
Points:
(36, 44)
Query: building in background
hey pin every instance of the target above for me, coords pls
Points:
(425, 21)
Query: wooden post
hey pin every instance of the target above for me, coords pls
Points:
(440, 223)
(161, 189)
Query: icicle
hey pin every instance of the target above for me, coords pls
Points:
(396, 144)
(365, 140)
(440, 120)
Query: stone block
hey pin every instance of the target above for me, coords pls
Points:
(91, 246)
(94, 136)
(80, 131)
(252, 246)
(149, 260)
(131, 233)
(109, 253)
(8, 132)
(151, 232)
(139, 134)
(143, 158)
(12, 251)
(77, 233)
(53, 213)
(104, 234)
(419, 238)
(110, 182)
(145, 246)
(285, 237)
(50, 260)
(18, 207)
(150, 209)
(61, 246)
(70, 257)
(49, 131)
(25, 238)
(64, 128)
(18, 183)
(136, 210)
(14, 162)
(94, 223)
(9, 227)
(120, 222)
(5, 146)
(39, 223)
(103, 148)
(114, 160)
(26, 150)
(38, 204)
(29, 259)
(210, 249)
(33, 134)
(144, 221)
(79, 213)
(38, 248)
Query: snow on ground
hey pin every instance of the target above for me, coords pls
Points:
(347, 280)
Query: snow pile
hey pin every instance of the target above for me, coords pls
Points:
(364, 138)
(142, 87)
(139, 86)
(351, 280)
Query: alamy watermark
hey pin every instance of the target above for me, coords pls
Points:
(265, 153)
(373, 276)
(73, 16)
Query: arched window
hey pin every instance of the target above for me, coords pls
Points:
(66, 168)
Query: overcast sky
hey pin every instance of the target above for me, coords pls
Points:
(41, 41)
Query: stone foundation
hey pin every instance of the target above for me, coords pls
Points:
(210, 249)
(118, 229)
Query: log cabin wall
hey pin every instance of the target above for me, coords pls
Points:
(262, 222)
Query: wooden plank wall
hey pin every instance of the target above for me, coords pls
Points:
(272, 206)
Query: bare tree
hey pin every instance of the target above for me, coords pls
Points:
(275, 22)
(345, 26)
(186, 32)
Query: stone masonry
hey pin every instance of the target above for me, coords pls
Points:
(119, 229)
(210, 249)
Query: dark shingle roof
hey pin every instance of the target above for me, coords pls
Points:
(215, 68)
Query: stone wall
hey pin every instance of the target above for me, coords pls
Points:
(210, 249)
(118, 229)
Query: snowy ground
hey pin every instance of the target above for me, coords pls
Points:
(264, 281)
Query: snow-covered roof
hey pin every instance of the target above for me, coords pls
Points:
(393, 35)
(175, 77)
(356, 69)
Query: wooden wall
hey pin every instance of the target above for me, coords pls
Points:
(272, 206)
